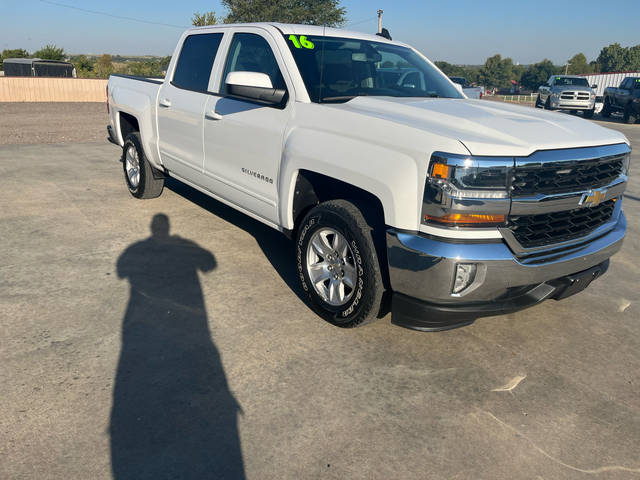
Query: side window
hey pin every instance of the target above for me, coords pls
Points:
(251, 53)
(624, 83)
(196, 61)
(636, 83)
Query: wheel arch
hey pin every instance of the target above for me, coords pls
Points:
(312, 188)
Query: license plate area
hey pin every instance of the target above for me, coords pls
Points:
(575, 283)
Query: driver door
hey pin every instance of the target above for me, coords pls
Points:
(243, 139)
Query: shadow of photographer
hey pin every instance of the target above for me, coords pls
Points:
(173, 414)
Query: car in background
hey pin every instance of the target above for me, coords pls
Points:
(468, 90)
(624, 99)
(567, 92)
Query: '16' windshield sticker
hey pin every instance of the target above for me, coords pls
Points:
(302, 42)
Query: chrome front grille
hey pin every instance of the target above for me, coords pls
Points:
(556, 227)
(551, 192)
(563, 177)
(571, 95)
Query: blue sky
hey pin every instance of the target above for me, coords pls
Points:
(459, 31)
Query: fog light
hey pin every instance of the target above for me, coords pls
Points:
(465, 275)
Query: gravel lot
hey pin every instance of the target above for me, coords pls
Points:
(37, 123)
(199, 360)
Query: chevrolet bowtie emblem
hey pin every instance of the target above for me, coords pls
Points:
(593, 197)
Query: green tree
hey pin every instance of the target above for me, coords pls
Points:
(50, 52)
(612, 58)
(104, 66)
(13, 53)
(632, 58)
(145, 69)
(84, 66)
(202, 19)
(578, 65)
(164, 63)
(538, 73)
(497, 72)
(308, 12)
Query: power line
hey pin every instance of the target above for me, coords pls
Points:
(370, 19)
(120, 17)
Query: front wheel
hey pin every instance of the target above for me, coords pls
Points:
(338, 265)
(538, 102)
(606, 109)
(588, 113)
(547, 105)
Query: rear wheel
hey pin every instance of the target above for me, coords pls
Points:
(138, 172)
(338, 265)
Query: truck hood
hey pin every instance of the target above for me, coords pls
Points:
(571, 88)
(487, 128)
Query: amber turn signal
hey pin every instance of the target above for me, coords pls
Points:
(440, 170)
(466, 219)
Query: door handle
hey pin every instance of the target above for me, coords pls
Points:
(165, 102)
(213, 115)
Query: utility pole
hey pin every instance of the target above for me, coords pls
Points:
(566, 68)
(380, 21)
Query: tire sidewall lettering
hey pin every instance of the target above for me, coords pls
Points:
(356, 301)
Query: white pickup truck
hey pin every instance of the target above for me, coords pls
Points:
(401, 196)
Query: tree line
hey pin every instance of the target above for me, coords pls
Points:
(95, 66)
(498, 72)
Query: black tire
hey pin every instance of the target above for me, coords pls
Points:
(149, 186)
(538, 102)
(588, 113)
(365, 302)
(606, 109)
(629, 116)
(547, 104)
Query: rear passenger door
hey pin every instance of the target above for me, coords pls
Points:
(181, 104)
(243, 139)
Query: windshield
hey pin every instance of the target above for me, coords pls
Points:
(339, 69)
(579, 82)
(459, 80)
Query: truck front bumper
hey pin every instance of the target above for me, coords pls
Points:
(562, 104)
(422, 272)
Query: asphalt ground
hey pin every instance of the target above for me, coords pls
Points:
(126, 355)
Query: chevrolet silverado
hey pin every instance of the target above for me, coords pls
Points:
(402, 197)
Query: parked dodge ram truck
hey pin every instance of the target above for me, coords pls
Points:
(624, 99)
(567, 92)
(412, 199)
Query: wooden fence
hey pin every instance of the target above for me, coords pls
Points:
(28, 89)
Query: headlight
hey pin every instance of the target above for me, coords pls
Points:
(467, 191)
(469, 177)
(626, 162)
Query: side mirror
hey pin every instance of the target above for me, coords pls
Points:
(254, 86)
(594, 86)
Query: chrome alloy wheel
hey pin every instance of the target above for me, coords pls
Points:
(132, 166)
(331, 266)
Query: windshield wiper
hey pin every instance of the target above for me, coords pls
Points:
(341, 98)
